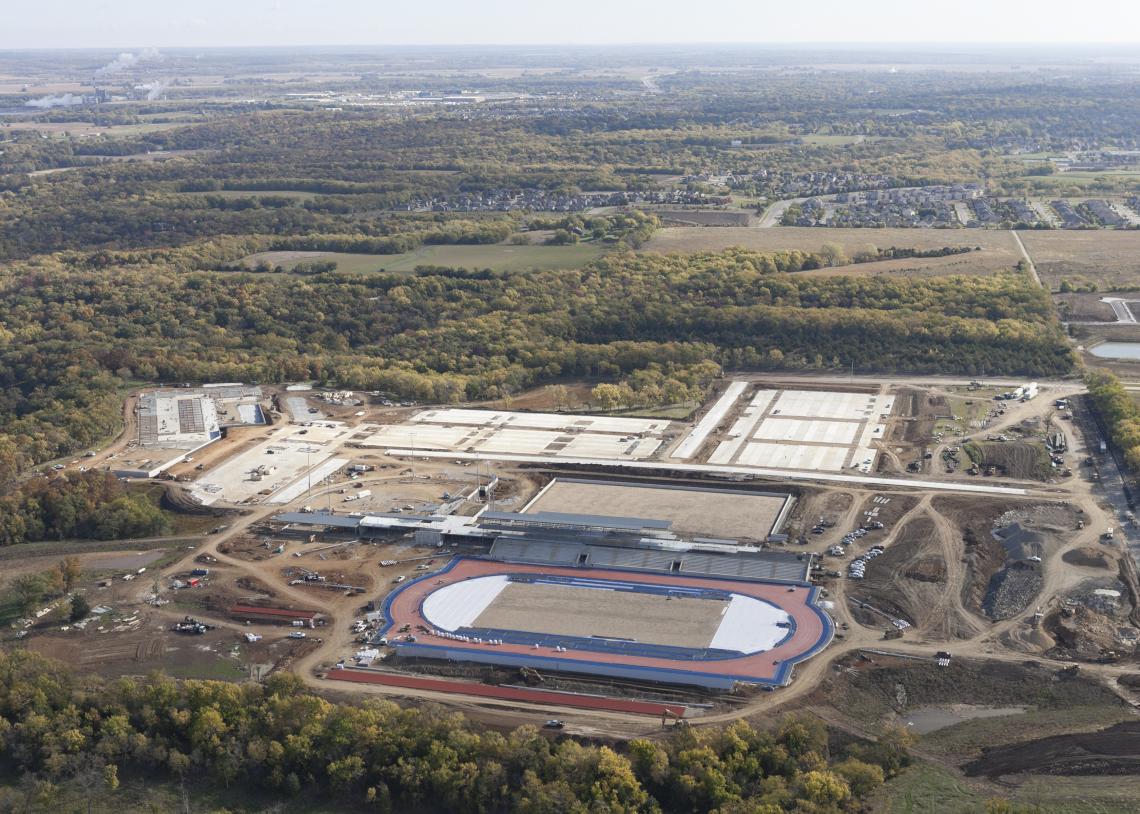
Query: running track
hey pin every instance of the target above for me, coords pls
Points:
(811, 632)
(544, 697)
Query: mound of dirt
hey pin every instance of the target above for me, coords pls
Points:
(1028, 640)
(1026, 460)
(1111, 751)
(1088, 557)
(176, 499)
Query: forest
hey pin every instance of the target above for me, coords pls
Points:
(66, 736)
(75, 505)
(79, 328)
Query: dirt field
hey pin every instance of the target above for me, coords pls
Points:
(585, 612)
(1111, 259)
(998, 248)
(694, 510)
(1084, 307)
(1112, 751)
(138, 641)
(908, 580)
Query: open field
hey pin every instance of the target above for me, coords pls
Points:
(928, 788)
(92, 129)
(295, 194)
(500, 257)
(998, 248)
(693, 510)
(1085, 176)
(1109, 258)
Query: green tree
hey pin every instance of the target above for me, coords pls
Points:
(80, 608)
(29, 591)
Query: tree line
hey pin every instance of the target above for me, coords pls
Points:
(60, 731)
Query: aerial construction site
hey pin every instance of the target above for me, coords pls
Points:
(783, 543)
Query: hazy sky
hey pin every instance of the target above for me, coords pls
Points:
(162, 23)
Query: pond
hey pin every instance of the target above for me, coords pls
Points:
(928, 719)
(1117, 350)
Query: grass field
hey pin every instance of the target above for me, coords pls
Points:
(1081, 795)
(92, 129)
(1083, 177)
(1109, 258)
(838, 141)
(929, 789)
(500, 257)
(998, 249)
(259, 193)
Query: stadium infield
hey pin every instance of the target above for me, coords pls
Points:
(780, 625)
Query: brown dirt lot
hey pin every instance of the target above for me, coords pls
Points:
(150, 645)
(908, 579)
(705, 511)
(1111, 259)
(998, 248)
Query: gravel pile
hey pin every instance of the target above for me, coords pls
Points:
(1010, 591)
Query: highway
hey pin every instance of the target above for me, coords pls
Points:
(713, 469)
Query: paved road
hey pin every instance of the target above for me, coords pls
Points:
(1120, 308)
(775, 212)
(713, 469)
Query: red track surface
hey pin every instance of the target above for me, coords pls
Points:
(544, 697)
(405, 609)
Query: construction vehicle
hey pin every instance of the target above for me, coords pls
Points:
(530, 675)
(667, 714)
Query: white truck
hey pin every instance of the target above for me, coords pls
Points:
(358, 495)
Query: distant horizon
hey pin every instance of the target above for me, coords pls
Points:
(108, 24)
(821, 45)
